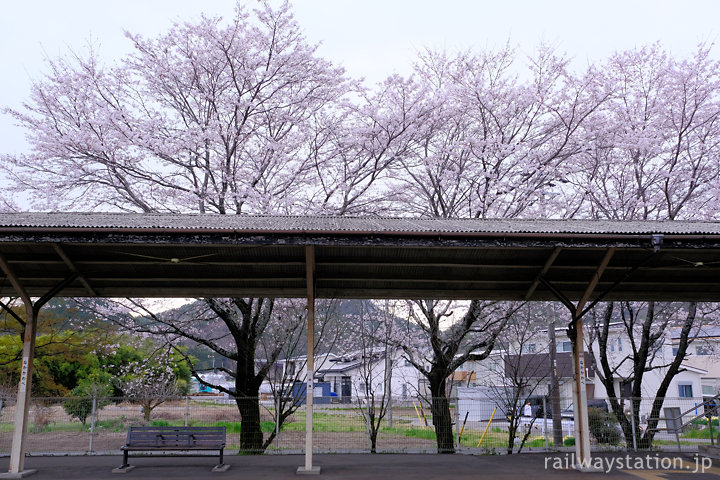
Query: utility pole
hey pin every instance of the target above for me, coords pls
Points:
(555, 385)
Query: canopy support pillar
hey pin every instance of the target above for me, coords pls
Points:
(22, 407)
(583, 460)
(308, 468)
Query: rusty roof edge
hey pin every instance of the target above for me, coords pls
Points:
(142, 231)
(350, 226)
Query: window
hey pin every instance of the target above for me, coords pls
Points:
(529, 348)
(619, 344)
(703, 350)
(685, 390)
(626, 388)
(563, 347)
(675, 350)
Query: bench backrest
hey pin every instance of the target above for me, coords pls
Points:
(175, 436)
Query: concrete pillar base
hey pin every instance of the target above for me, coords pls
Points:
(21, 474)
(588, 468)
(315, 470)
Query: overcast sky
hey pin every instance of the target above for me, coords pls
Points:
(371, 38)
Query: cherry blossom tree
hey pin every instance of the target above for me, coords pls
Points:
(211, 117)
(496, 142)
(149, 382)
(494, 146)
(652, 149)
(652, 154)
(450, 333)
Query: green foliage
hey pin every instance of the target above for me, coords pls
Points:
(704, 421)
(701, 433)
(80, 404)
(569, 441)
(604, 426)
(538, 442)
(112, 424)
(425, 433)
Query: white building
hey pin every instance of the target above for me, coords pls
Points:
(698, 380)
(349, 374)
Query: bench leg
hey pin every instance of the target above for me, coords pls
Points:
(221, 467)
(124, 468)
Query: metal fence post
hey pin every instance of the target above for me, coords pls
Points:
(367, 425)
(277, 421)
(544, 407)
(187, 410)
(92, 422)
(632, 423)
(457, 422)
(389, 414)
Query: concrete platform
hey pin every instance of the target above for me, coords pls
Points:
(348, 467)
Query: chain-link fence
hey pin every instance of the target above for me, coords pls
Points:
(82, 425)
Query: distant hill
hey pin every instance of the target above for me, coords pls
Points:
(347, 314)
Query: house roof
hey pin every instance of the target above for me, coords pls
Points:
(168, 255)
(705, 331)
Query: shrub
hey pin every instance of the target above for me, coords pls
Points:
(569, 441)
(80, 404)
(704, 421)
(78, 407)
(604, 426)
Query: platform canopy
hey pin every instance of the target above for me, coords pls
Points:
(169, 255)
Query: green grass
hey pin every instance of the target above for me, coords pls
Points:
(538, 443)
(415, 432)
(700, 433)
(671, 442)
(230, 427)
(113, 424)
(326, 422)
(704, 421)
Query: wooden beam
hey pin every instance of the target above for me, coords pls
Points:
(594, 281)
(541, 274)
(61, 253)
(14, 280)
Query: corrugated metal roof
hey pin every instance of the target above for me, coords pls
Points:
(380, 225)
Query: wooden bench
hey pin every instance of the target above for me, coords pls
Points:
(177, 439)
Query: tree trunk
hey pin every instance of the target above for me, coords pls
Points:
(373, 436)
(442, 420)
(251, 437)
